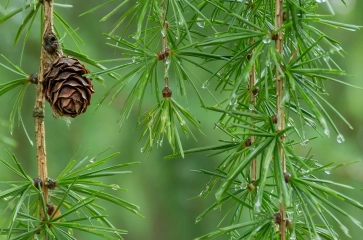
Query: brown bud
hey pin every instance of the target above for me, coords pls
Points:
(37, 182)
(249, 56)
(284, 15)
(66, 89)
(161, 56)
(274, 36)
(255, 91)
(274, 118)
(167, 92)
(277, 218)
(51, 183)
(287, 177)
(50, 209)
(248, 142)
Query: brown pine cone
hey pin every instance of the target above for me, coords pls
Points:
(67, 91)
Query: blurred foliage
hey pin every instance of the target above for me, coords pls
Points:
(162, 188)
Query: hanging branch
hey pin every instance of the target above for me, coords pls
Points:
(280, 107)
(253, 101)
(165, 50)
(49, 53)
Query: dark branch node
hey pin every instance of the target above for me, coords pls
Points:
(51, 44)
(51, 183)
(33, 78)
(38, 183)
(38, 113)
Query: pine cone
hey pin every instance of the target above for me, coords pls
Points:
(67, 91)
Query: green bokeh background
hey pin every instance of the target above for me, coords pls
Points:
(164, 188)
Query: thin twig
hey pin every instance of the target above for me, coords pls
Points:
(45, 61)
(280, 107)
(165, 51)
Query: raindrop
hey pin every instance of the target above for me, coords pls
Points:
(182, 123)
(327, 171)
(142, 150)
(233, 99)
(266, 39)
(326, 131)
(257, 206)
(92, 160)
(320, 1)
(115, 186)
(176, 37)
(251, 107)
(162, 32)
(133, 59)
(243, 185)
(167, 62)
(200, 23)
(326, 59)
(340, 138)
(205, 84)
(305, 142)
(293, 236)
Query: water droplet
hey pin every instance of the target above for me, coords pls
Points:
(108, 38)
(200, 23)
(326, 131)
(257, 206)
(142, 150)
(205, 84)
(162, 32)
(326, 58)
(305, 142)
(182, 123)
(266, 39)
(293, 237)
(167, 62)
(115, 186)
(327, 171)
(233, 99)
(133, 59)
(92, 160)
(340, 138)
(251, 107)
(320, 1)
